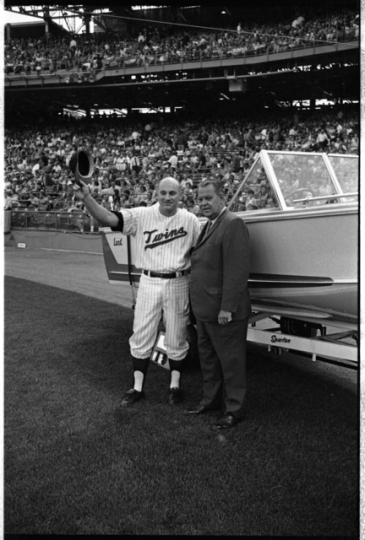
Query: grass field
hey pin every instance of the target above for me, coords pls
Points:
(77, 464)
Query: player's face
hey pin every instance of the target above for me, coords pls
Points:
(210, 202)
(168, 196)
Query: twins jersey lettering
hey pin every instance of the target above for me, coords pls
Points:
(163, 246)
(164, 243)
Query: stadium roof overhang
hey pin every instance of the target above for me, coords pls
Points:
(230, 5)
(281, 87)
(229, 12)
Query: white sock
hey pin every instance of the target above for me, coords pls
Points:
(175, 379)
(138, 380)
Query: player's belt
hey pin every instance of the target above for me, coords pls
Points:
(166, 276)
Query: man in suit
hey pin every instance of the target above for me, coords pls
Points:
(221, 305)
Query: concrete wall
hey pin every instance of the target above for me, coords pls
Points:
(87, 243)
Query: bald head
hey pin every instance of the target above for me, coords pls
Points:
(168, 196)
(169, 182)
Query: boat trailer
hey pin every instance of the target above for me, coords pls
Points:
(308, 337)
(315, 344)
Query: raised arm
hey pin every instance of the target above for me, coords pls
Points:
(98, 212)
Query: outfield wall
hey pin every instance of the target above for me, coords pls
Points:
(70, 241)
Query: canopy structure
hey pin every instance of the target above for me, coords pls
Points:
(287, 180)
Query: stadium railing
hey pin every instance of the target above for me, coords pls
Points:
(63, 221)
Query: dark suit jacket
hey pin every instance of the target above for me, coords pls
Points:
(220, 265)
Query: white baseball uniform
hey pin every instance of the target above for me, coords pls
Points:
(164, 245)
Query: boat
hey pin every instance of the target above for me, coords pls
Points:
(302, 213)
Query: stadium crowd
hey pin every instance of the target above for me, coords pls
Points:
(131, 159)
(157, 46)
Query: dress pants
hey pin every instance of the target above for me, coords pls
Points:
(222, 353)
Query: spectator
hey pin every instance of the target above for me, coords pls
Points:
(43, 204)
(8, 199)
(322, 139)
(193, 207)
(30, 156)
(93, 51)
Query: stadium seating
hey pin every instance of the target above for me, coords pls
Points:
(95, 52)
(224, 149)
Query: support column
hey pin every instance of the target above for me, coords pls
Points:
(87, 19)
(46, 18)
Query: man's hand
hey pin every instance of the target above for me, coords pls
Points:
(98, 212)
(224, 317)
(81, 190)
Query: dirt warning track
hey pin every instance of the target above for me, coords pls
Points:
(83, 273)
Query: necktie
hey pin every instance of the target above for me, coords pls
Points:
(208, 228)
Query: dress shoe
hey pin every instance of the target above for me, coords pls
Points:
(131, 397)
(175, 396)
(199, 409)
(227, 421)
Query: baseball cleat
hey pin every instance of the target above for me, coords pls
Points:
(131, 397)
(175, 396)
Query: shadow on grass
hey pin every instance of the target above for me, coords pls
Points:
(75, 463)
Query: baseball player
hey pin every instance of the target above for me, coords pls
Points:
(165, 235)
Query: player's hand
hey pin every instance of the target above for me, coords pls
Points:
(81, 190)
(224, 317)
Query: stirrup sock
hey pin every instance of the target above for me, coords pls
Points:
(140, 366)
(175, 370)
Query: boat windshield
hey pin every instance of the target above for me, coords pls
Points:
(256, 192)
(280, 180)
(346, 169)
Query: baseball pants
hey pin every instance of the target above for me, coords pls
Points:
(157, 296)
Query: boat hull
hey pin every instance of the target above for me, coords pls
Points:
(304, 260)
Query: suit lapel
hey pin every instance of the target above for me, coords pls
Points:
(203, 237)
(202, 233)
